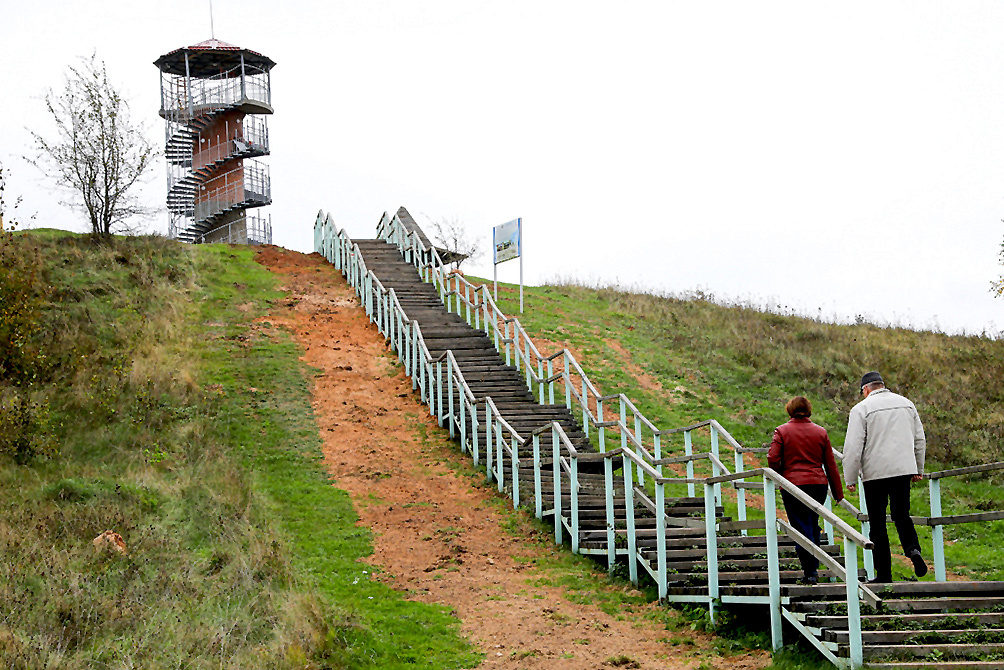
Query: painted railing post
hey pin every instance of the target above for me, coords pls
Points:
(711, 547)
(463, 421)
(422, 386)
(550, 384)
(938, 531)
(526, 364)
(515, 471)
(540, 383)
(439, 392)
(499, 457)
(508, 358)
(567, 378)
(866, 529)
(608, 490)
(370, 311)
(601, 434)
(556, 470)
(660, 538)
(741, 493)
(413, 356)
(430, 394)
(853, 605)
(573, 490)
(392, 319)
(450, 384)
(688, 449)
(538, 493)
(584, 399)
(401, 330)
(632, 541)
(515, 345)
(715, 470)
(773, 562)
(827, 526)
(637, 435)
(657, 450)
(488, 438)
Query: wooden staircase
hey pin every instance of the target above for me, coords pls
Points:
(915, 625)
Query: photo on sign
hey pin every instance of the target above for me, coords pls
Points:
(507, 241)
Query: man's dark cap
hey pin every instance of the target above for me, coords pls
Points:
(870, 378)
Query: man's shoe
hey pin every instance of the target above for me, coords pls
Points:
(880, 580)
(919, 566)
(809, 581)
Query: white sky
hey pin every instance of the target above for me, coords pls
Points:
(839, 158)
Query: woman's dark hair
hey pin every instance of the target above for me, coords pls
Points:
(799, 407)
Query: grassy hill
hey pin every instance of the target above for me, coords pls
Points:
(137, 395)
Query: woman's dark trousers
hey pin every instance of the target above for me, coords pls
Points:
(806, 522)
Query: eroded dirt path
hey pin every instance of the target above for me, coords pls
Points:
(437, 536)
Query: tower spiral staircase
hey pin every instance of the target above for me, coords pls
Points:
(214, 101)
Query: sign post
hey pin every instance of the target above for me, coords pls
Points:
(507, 244)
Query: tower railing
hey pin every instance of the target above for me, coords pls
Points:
(186, 98)
(248, 185)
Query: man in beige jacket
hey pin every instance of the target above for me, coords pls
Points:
(885, 445)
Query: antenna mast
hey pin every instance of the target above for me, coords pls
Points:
(212, 30)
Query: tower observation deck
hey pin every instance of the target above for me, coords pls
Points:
(214, 98)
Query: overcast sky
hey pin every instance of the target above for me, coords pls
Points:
(838, 158)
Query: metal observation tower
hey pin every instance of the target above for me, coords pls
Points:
(214, 98)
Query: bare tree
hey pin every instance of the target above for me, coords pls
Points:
(452, 236)
(99, 152)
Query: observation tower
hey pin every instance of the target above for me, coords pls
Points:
(214, 98)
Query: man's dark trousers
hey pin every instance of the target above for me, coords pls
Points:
(892, 493)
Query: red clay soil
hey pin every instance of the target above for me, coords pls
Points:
(437, 537)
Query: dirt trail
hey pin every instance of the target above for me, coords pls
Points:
(436, 537)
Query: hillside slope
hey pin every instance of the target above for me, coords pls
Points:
(174, 419)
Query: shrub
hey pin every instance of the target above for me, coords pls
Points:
(20, 299)
(25, 432)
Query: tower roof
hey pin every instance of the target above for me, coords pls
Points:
(211, 57)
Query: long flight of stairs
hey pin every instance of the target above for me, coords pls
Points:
(916, 625)
(742, 559)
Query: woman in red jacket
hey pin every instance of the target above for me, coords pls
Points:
(801, 453)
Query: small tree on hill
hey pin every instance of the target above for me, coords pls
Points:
(99, 152)
(452, 235)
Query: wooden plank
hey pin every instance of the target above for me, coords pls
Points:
(921, 650)
(875, 637)
(928, 620)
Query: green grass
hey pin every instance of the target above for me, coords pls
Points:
(187, 428)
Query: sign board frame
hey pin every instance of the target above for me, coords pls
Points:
(507, 244)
